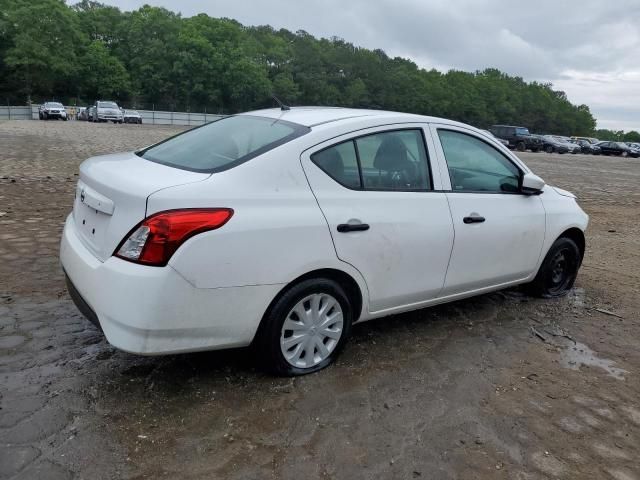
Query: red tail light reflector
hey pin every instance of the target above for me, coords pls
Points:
(157, 237)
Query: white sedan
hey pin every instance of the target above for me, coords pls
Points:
(282, 228)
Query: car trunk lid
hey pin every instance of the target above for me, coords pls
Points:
(111, 197)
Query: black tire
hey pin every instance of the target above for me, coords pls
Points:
(558, 271)
(624, 154)
(521, 147)
(65, 119)
(45, 116)
(548, 149)
(40, 115)
(267, 341)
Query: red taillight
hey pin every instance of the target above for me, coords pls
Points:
(155, 240)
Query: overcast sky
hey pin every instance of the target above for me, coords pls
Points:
(588, 48)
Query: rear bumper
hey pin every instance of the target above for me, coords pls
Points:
(154, 310)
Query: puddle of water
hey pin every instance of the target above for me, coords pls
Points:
(579, 354)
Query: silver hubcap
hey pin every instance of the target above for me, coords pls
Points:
(311, 330)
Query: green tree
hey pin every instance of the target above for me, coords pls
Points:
(40, 55)
(102, 75)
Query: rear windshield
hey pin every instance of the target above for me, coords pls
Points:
(223, 144)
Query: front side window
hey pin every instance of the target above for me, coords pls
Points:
(223, 144)
(475, 166)
(395, 161)
(522, 131)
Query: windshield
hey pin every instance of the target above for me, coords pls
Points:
(107, 105)
(223, 144)
(54, 104)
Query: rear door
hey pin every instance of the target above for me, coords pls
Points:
(385, 212)
(499, 232)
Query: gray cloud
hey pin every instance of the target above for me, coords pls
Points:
(588, 48)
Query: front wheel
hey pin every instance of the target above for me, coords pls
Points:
(625, 154)
(521, 147)
(548, 149)
(558, 271)
(305, 328)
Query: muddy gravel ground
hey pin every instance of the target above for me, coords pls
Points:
(499, 386)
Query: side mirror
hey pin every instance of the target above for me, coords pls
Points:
(531, 184)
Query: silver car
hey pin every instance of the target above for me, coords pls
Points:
(105, 111)
(50, 110)
(131, 116)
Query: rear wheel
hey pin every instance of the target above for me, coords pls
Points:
(625, 153)
(521, 147)
(548, 149)
(305, 328)
(558, 271)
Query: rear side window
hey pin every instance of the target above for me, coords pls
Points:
(340, 163)
(395, 161)
(223, 144)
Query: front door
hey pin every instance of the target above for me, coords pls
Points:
(499, 231)
(378, 193)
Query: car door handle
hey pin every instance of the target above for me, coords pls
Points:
(353, 227)
(473, 219)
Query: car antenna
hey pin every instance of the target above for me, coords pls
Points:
(283, 107)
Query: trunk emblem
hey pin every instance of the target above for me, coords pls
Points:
(82, 195)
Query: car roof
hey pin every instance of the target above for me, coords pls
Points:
(315, 116)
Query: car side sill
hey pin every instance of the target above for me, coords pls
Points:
(440, 300)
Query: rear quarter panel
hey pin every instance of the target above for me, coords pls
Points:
(277, 232)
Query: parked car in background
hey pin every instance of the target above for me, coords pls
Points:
(52, 110)
(282, 228)
(573, 147)
(618, 148)
(81, 113)
(131, 116)
(501, 140)
(518, 138)
(591, 140)
(634, 145)
(105, 111)
(551, 145)
(91, 113)
(587, 147)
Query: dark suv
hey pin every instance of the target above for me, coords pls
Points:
(518, 137)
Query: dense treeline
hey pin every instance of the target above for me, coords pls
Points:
(153, 56)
